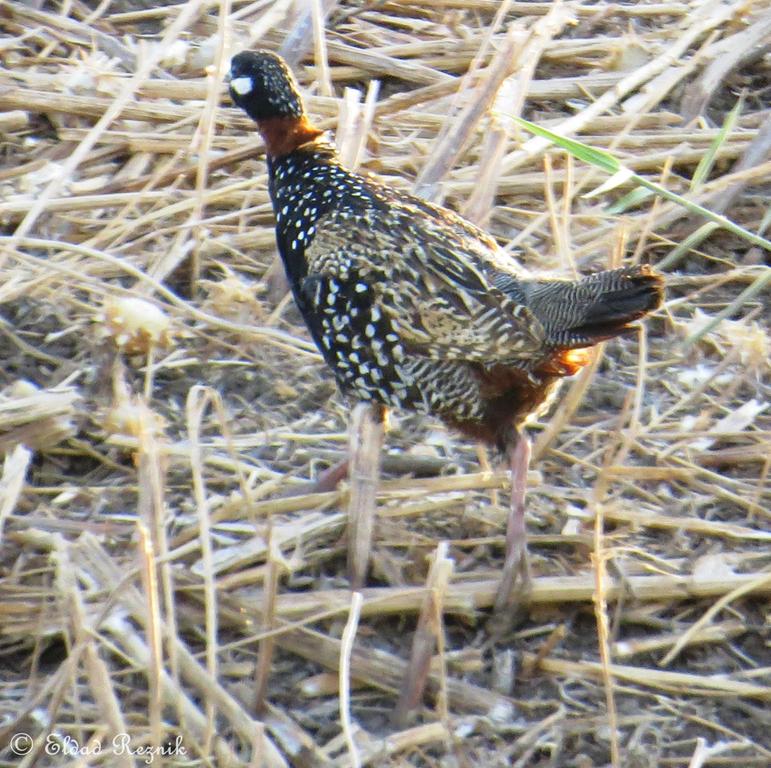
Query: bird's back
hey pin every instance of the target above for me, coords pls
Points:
(310, 185)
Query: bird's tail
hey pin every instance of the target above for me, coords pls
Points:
(595, 308)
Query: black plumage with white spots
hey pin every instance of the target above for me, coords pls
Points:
(411, 305)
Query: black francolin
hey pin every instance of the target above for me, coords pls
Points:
(414, 307)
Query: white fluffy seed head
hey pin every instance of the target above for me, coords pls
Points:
(134, 324)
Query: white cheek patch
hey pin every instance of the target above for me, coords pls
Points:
(241, 85)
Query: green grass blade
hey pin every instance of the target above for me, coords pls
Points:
(607, 162)
(692, 241)
(631, 199)
(596, 157)
(717, 218)
(708, 160)
(752, 290)
(616, 180)
(766, 223)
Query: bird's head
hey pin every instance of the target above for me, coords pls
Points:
(264, 87)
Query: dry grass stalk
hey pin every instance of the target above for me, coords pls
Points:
(702, 20)
(696, 627)
(428, 636)
(102, 194)
(600, 557)
(404, 742)
(267, 643)
(15, 120)
(346, 649)
(366, 440)
(12, 481)
(36, 417)
(465, 598)
(676, 682)
(726, 55)
(197, 401)
(719, 633)
(98, 565)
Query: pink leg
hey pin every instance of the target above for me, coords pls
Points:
(516, 563)
(330, 478)
(326, 482)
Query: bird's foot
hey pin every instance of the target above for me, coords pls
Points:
(515, 581)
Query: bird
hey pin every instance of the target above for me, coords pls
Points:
(413, 307)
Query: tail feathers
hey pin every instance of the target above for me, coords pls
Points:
(596, 308)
